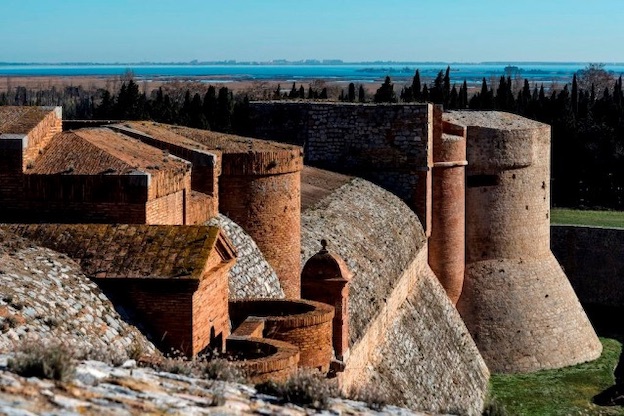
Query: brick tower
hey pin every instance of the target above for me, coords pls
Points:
(260, 189)
(517, 303)
(447, 240)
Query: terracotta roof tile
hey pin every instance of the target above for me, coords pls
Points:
(209, 140)
(20, 120)
(101, 151)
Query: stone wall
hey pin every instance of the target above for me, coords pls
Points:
(406, 338)
(386, 144)
(593, 259)
(251, 276)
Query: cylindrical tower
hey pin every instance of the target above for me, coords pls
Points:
(447, 240)
(517, 302)
(260, 189)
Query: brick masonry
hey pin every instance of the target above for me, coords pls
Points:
(406, 339)
(386, 144)
(516, 301)
(304, 324)
(251, 276)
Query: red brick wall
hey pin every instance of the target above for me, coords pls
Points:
(264, 359)
(211, 321)
(168, 209)
(448, 226)
(163, 307)
(305, 324)
(334, 292)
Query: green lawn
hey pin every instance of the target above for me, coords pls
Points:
(566, 391)
(582, 217)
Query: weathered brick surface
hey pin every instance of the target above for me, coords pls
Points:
(517, 302)
(304, 324)
(447, 239)
(268, 208)
(264, 359)
(593, 260)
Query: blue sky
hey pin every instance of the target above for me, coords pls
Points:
(351, 30)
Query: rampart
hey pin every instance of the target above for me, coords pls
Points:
(400, 319)
(516, 302)
(386, 144)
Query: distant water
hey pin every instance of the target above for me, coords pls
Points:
(473, 73)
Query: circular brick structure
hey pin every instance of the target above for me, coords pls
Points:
(260, 190)
(304, 324)
(517, 302)
(447, 240)
(263, 359)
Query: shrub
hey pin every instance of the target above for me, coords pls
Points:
(494, 408)
(53, 362)
(223, 370)
(374, 398)
(306, 388)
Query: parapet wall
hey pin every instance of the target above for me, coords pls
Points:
(593, 259)
(386, 144)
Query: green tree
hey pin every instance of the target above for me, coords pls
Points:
(385, 93)
(351, 92)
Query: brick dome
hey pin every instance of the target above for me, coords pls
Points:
(325, 266)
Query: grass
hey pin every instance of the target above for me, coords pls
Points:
(586, 217)
(566, 391)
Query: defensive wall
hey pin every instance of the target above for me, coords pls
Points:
(593, 259)
(386, 144)
(406, 338)
(500, 163)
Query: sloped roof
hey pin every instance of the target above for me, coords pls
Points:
(102, 151)
(20, 120)
(134, 251)
(227, 143)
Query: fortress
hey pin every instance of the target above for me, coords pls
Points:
(437, 268)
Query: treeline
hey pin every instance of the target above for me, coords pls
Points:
(587, 116)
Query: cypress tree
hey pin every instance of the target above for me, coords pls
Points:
(416, 87)
(351, 92)
(301, 92)
(574, 96)
(210, 106)
(361, 94)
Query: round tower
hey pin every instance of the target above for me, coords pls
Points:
(447, 240)
(260, 189)
(517, 302)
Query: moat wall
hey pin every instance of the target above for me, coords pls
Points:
(593, 259)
